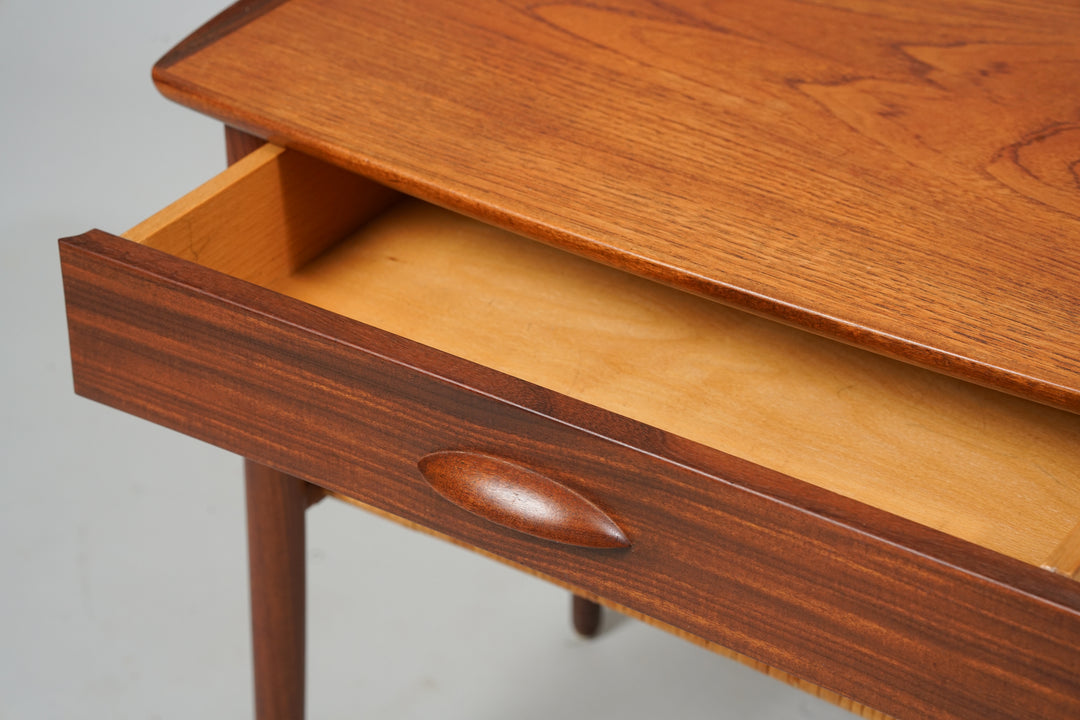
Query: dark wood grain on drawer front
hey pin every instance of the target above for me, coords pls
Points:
(894, 615)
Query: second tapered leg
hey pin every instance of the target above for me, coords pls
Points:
(586, 616)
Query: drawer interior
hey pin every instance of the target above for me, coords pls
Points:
(990, 468)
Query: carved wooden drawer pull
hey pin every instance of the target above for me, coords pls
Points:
(521, 499)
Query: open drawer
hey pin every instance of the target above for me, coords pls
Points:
(883, 531)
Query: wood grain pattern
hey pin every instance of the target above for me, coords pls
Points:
(986, 467)
(275, 511)
(229, 19)
(1066, 556)
(586, 597)
(982, 466)
(266, 215)
(898, 176)
(521, 499)
(889, 613)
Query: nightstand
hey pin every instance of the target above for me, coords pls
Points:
(757, 323)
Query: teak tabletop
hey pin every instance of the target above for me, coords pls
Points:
(900, 176)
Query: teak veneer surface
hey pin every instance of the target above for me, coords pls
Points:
(875, 607)
(901, 176)
(848, 704)
(980, 465)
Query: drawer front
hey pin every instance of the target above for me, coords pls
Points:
(879, 609)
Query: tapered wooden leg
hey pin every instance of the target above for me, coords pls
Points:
(275, 511)
(586, 615)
